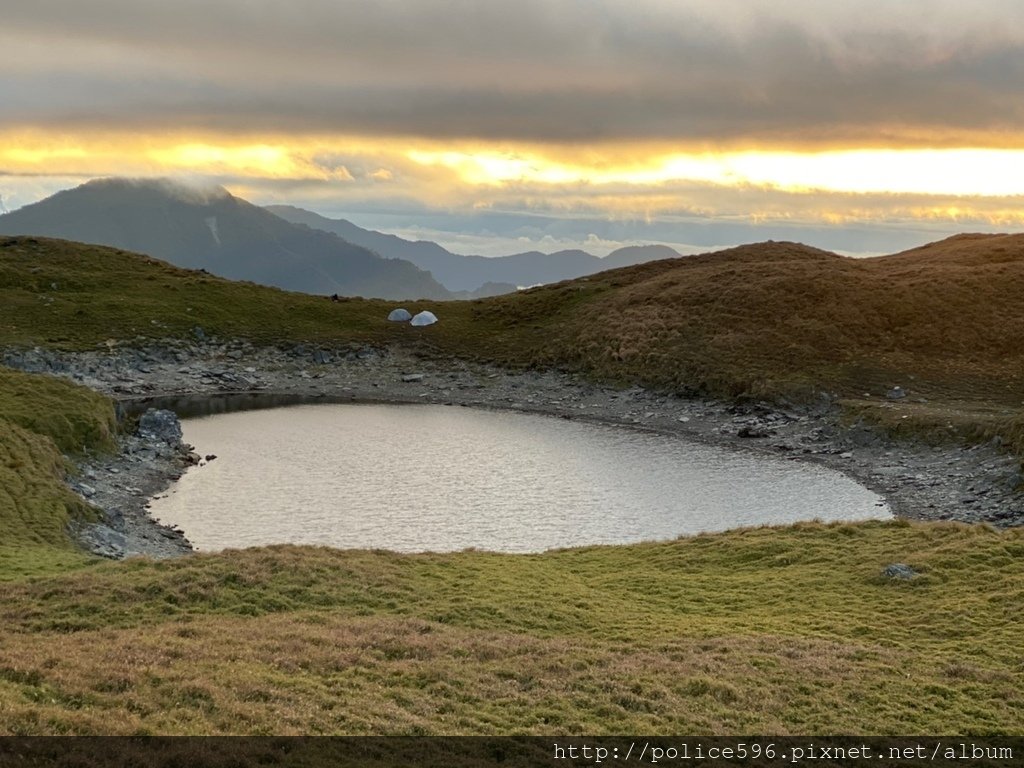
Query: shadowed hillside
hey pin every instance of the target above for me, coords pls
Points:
(211, 229)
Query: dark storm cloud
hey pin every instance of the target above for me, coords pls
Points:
(546, 70)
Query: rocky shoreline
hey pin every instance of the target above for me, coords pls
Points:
(963, 483)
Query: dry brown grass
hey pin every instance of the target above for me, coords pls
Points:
(772, 318)
(768, 630)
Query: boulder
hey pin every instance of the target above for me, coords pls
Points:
(399, 315)
(160, 425)
(899, 571)
(424, 318)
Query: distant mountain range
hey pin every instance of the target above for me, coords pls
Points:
(223, 234)
(289, 247)
(468, 273)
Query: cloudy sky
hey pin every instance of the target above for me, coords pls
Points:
(502, 126)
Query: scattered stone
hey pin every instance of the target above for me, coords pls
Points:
(412, 377)
(320, 357)
(199, 333)
(104, 541)
(754, 431)
(896, 393)
(211, 456)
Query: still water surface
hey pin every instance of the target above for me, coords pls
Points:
(434, 478)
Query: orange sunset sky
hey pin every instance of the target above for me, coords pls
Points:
(494, 127)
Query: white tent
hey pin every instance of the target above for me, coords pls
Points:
(399, 316)
(424, 318)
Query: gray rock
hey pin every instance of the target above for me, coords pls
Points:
(411, 377)
(899, 571)
(160, 425)
(86, 490)
(896, 393)
(320, 357)
(199, 333)
(104, 541)
(235, 354)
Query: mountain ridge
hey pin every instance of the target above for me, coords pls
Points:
(214, 230)
(460, 272)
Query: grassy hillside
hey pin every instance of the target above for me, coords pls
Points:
(760, 631)
(764, 318)
(945, 322)
(41, 416)
(768, 630)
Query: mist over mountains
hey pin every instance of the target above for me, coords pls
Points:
(467, 273)
(214, 230)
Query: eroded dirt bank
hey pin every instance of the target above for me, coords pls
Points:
(970, 484)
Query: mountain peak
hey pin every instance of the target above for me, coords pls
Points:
(194, 192)
(205, 227)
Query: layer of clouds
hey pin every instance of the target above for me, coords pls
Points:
(690, 217)
(538, 70)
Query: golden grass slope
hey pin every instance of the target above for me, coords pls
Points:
(776, 317)
(761, 319)
(786, 630)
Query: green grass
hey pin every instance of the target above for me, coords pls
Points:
(74, 417)
(767, 630)
(41, 416)
(35, 506)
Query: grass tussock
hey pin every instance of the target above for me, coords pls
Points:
(765, 630)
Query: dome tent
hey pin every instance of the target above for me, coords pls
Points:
(424, 318)
(399, 316)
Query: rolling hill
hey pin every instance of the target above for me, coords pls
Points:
(770, 630)
(761, 319)
(213, 230)
(467, 273)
